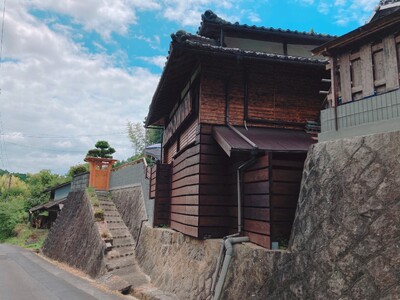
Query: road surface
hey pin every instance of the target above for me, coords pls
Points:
(26, 276)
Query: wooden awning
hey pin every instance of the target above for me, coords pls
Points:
(265, 139)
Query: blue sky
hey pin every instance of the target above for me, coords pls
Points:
(76, 71)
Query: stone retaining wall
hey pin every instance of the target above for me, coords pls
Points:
(74, 238)
(130, 205)
(345, 243)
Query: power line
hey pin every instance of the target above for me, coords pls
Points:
(64, 137)
(2, 32)
(4, 156)
(45, 149)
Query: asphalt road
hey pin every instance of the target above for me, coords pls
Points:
(26, 276)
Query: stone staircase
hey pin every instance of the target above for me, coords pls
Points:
(123, 272)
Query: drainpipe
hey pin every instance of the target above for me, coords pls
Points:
(228, 255)
(229, 241)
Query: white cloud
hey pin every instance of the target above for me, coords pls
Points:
(53, 87)
(254, 17)
(324, 8)
(104, 17)
(158, 61)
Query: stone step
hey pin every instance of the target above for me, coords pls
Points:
(111, 215)
(122, 241)
(110, 220)
(108, 204)
(118, 246)
(115, 221)
(117, 254)
(119, 233)
(119, 225)
(120, 263)
(109, 210)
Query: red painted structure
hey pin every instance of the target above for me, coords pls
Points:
(100, 170)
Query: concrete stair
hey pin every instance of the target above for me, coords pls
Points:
(123, 272)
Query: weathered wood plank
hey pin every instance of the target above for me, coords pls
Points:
(287, 175)
(390, 63)
(185, 229)
(185, 219)
(256, 200)
(282, 215)
(367, 70)
(186, 181)
(345, 78)
(259, 239)
(284, 201)
(256, 188)
(185, 200)
(217, 221)
(185, 209)
(256, 175)
(262, 214)
(284, 188)
(218, 211)
(257, 227)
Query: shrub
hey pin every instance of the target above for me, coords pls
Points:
(11, 213)
(99, 215)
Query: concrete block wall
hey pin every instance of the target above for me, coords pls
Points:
(80, 182)
(134, 175)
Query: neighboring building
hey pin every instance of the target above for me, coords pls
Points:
(234, 101)
(44, 215)
(153, 152)
(364, 64)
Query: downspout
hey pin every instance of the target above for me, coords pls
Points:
(229, 241)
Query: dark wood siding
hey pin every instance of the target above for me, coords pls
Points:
(217, 206)
(256, 202)
(160, 191)
(286, 172)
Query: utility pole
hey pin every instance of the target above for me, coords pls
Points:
(9, 187)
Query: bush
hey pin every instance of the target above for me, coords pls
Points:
(11, 214)
(99, 215)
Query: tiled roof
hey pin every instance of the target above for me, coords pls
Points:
(199, 42)
(210, 17)
(385, 8)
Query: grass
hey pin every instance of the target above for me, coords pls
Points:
(98, 212)
(93, 197)
(27, 237)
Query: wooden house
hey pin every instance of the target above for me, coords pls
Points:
(365, 63)
(44, 215)
(233, 101)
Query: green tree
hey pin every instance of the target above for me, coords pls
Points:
(12, 187)
(39, 182)
(77, 169)
(102, 150)
(137, 137)
(153, 136)
(11, 213)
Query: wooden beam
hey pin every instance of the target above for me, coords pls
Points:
(367, 70)
(390, 62)
(345, 78)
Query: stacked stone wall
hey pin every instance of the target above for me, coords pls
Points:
(74, 238)
(130, 205)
